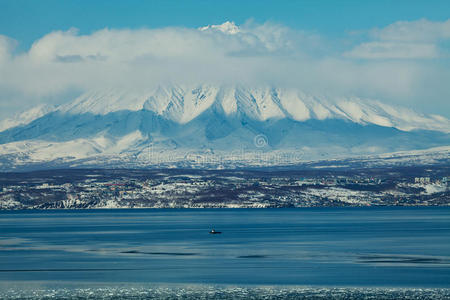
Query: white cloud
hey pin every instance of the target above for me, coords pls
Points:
(404, 40)
(414, 31)
(394, 50)
(138, 58)
(6, 46)
(62, 62)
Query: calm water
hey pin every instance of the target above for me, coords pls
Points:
(332, 247)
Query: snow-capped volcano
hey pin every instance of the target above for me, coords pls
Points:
(182, 104)
(215, 119)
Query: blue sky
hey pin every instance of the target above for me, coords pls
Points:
(393, 51)
(28, 20)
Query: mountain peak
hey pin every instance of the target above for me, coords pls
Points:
(227, 28)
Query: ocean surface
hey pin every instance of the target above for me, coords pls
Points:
(170, 252)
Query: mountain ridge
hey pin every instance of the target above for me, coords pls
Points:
(182, 104)
(183, 118)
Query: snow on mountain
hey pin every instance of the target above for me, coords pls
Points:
(103, 102)
(177, 119)
(25, 117)
(182, 104)
(41, 150)
(227, 27)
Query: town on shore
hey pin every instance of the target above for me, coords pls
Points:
(239, 188)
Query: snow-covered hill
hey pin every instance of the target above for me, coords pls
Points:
(175, 121)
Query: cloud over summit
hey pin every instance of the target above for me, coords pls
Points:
(251, 54)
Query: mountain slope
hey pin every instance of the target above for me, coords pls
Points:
(182, 119)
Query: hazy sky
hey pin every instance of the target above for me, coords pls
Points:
(394, 51)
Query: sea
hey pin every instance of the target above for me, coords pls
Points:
(289, 253)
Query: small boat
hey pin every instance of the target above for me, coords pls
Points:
(214, 232)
